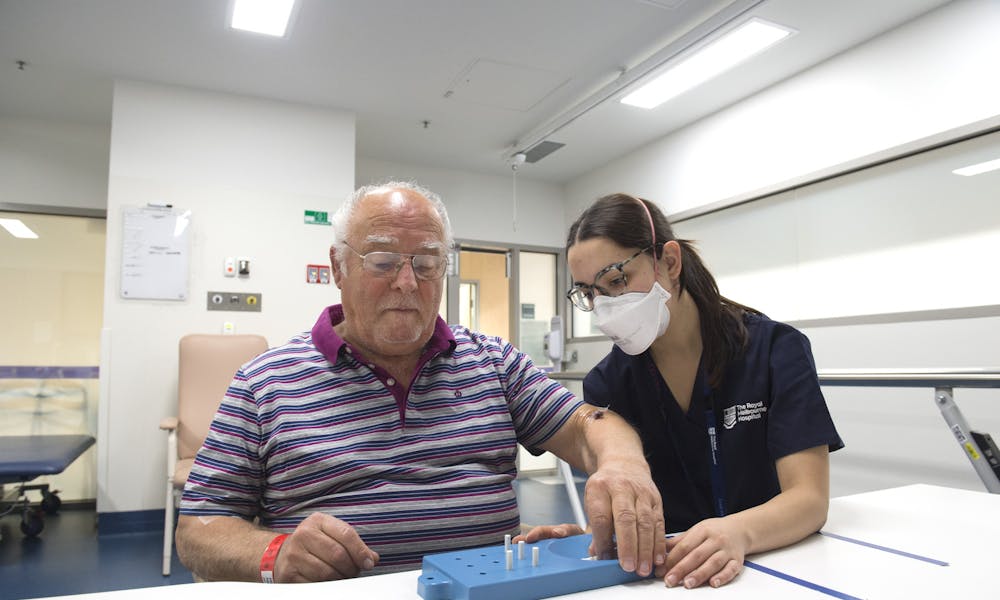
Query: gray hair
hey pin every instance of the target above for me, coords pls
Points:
(342, 218)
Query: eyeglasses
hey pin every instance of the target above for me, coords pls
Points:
(387, 264)
(610, 281)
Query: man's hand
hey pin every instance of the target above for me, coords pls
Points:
(621, 500)
(323, 548)
(626, 513)
(544, 532)
(712, 551)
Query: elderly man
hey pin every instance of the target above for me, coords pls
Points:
(382, 434)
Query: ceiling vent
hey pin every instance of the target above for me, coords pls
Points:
(541, 150)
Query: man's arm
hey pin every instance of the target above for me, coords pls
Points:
(620, 497)
(230, 548)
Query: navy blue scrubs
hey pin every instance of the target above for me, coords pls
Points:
(768, 405)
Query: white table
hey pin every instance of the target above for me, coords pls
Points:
(947, 534)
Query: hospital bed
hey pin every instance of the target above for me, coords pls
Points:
(26, 457)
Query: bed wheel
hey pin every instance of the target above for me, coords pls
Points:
(50, 502)
(32, 523)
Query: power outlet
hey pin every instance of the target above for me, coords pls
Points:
(234, 301)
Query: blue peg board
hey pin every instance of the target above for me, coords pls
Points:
(481, 573)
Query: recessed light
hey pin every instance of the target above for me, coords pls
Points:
(976, 169)
(710, 60)
(269, 17)
(18, 229)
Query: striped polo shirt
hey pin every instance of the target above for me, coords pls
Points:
(312, 426)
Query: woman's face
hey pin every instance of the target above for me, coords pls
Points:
(599, 266)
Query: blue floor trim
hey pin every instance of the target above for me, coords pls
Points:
(134, 521)
(933, 561)
(802, 582)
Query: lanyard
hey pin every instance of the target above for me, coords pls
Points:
(718, 479)
(715, 452)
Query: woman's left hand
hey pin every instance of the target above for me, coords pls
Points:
(712, 551)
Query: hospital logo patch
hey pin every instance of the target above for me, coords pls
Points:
(729, 417)
(741, 413)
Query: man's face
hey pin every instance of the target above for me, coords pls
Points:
(390, 316)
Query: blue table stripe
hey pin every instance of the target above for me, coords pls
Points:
(48, 372)
(802, 582)
(933, 561)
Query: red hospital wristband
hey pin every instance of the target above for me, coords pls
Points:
(270, 555)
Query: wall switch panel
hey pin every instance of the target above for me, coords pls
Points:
(234, 301)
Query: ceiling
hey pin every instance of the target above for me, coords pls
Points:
(457, 84)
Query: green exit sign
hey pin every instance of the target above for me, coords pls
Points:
(316, 217)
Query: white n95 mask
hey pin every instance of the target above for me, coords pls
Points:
(633, 320)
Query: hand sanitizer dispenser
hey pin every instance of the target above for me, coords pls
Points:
(554, 343)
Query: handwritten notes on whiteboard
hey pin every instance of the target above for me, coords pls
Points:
(155, 253)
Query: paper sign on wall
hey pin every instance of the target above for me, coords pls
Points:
(155, 257)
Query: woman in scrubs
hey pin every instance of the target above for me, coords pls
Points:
(727, 401)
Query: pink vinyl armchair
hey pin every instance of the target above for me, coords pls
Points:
(206, 365)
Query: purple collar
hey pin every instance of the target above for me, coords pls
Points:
(330, 343)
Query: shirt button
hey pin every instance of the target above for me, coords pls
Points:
(391, 381)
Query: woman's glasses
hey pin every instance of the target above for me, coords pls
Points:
(610, 281)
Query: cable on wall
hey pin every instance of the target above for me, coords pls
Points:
(515, 161)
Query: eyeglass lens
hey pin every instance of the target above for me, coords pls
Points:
(385, 264)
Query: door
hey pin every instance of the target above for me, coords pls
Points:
(511, 292)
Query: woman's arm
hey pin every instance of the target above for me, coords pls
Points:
(714, 549)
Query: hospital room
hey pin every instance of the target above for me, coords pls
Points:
(472, 299)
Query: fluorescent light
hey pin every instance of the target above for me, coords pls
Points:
(18, 229)
(983, 167)
(729, 50)
(269, 17)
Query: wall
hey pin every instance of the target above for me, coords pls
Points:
(881, 269)
(876, 275)
(247, 169)
(481, 207)
(929, 76)
(50, 163)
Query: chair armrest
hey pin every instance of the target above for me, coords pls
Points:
(168, 423)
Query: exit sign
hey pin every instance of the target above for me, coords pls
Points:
(316, 217)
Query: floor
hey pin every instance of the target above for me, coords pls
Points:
(68, 557)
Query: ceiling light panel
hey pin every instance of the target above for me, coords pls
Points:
(18, 229)
(979, 168)
(710, 60)
(270, 17)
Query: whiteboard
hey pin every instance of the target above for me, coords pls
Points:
(155, 253)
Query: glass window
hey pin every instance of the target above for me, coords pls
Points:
(468, 304)
(537, 304)
(51, 321)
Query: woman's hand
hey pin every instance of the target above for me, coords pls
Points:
(712, 551)
(544, 532)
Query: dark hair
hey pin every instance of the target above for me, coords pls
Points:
(621, 219)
